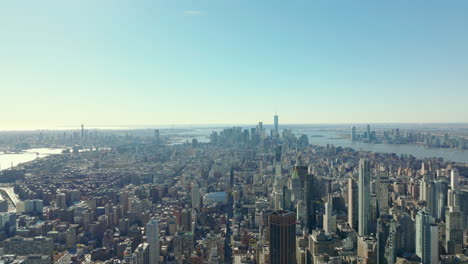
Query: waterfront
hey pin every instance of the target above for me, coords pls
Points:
(337, 136)
(8, 160)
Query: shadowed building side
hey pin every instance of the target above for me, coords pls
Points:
(282, 226)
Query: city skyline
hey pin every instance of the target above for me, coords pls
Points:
(267, 123)
(185, 62)
(234, 195)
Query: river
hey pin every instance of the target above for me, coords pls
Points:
(323, 138)
(336, 135)
(8, 160)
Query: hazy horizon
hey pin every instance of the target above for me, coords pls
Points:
(266, 124)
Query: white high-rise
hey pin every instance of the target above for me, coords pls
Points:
(427, 238)
(196, 197)
(329, 219)
(364, 191)
(152, 237)
(454, 179)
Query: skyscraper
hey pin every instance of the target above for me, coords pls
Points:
(353, 203)
(364, 197)
(454, 179)
(61, 201)
(196, 197)
(453, 231)
(381, 187)
(186, 220)
(427, 238)
(282, 226)
(260, 130)
(353, 133)
(386, 239)
(152, 237)
(310, 197)
(296, 187)
(405, 234)
(329, 219)
(156, 137)
(434, 192)
(276, 123)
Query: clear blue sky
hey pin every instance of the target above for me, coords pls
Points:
(112, 62)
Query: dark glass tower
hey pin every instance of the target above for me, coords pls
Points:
(282, 227)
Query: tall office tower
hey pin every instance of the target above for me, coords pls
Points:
(353, 203)
(434, 192)
(259, 174)
(353, 133)
(152, 237)
(423, 188)
(286, 199)
(454, 179)
(231, 178)
(301, 211)
(278, 179)
(405, 240)
(156, 136)
(441, 190)
(277, 167)
(461, 203)
(386, 239)
(382, 192)
(186, 220)
(82, 131)
(368, 132)
(276, 124)
(260, 130)
(329, 219)
(278, 154)
(196, 197)
(372, 222)
(364, 197)
(60, 201)
(295, 187)
(309, 190)
(453, 231)
(124, 201)
(427, 238)
(282, 227)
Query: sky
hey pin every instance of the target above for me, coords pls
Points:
(169, 62)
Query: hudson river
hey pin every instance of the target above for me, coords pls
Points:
(7, 160)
